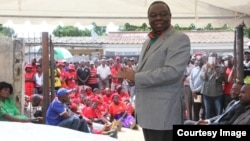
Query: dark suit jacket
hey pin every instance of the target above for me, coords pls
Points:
(230, 116)
(244, 118)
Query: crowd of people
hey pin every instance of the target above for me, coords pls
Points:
(99, 91)
(211, 87)
(96, 97)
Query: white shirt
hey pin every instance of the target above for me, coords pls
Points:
(196, 82)
(39, 80)
(103, 72)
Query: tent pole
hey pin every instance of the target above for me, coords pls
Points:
(45, 66)
(240, 50)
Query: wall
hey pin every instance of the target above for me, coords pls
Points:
(11, 62)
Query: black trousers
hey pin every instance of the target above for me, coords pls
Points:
(157, 135)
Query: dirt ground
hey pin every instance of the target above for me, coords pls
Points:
(130, 135)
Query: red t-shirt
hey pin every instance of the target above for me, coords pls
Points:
(228, 85)
(124, 96)
(117, 109)
(29, 85)
(107, 99)
(71, 79)
(90, 113)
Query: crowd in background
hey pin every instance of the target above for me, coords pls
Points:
(98, 85)
(208, 81)
(99, 91)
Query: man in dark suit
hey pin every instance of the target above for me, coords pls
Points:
(244, 118)
(159, 75)
(231, 113)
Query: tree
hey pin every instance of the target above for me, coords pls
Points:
(192, 27)
(7, 31)
(247, 32)
(70, 31)
(177, 27)
(128, 27)
(145, 27)
(99, 30)
(209, 27)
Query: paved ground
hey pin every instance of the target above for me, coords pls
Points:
(130, 135)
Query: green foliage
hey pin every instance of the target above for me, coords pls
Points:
(7, 31)
(100, 30)
(70, 31)
(145, 27)
(209, 27)
(128, 27)
(246, 32)
(225, 26)
(192, 27)
(177, 27)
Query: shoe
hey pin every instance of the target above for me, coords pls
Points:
(132, 125)
(113, 133)
(136, 127)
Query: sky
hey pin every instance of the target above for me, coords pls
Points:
(28, 30)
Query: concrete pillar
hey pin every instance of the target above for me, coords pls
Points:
(12, 70)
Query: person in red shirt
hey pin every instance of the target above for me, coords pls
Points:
(92, 81)
(107, 96)
(228, 62)
(29, 80)
(94, 113)
(88, 92)
(130, 108)
(115, 80)
(87, 103)
(122, 93)
(71, 77)
(119, 112)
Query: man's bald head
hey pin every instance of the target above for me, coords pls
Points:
(36, 100)
(245, 94)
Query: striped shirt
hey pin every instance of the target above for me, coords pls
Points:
(92, 78)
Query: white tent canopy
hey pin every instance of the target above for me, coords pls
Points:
(102, 12)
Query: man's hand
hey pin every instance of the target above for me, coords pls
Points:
(194, 94)
(202, 122)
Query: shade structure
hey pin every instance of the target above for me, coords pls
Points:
(102, 12)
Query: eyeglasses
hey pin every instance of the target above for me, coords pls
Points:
(162, 15)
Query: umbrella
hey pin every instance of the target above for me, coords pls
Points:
(13, 131)
(36, 52)
(61, 53)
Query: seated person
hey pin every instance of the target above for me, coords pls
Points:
(8, 110)
(94, 113)
(232, 111)
(36, 102)
(95, 128)
(244, 118)
(119, 112)
(58, 114)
